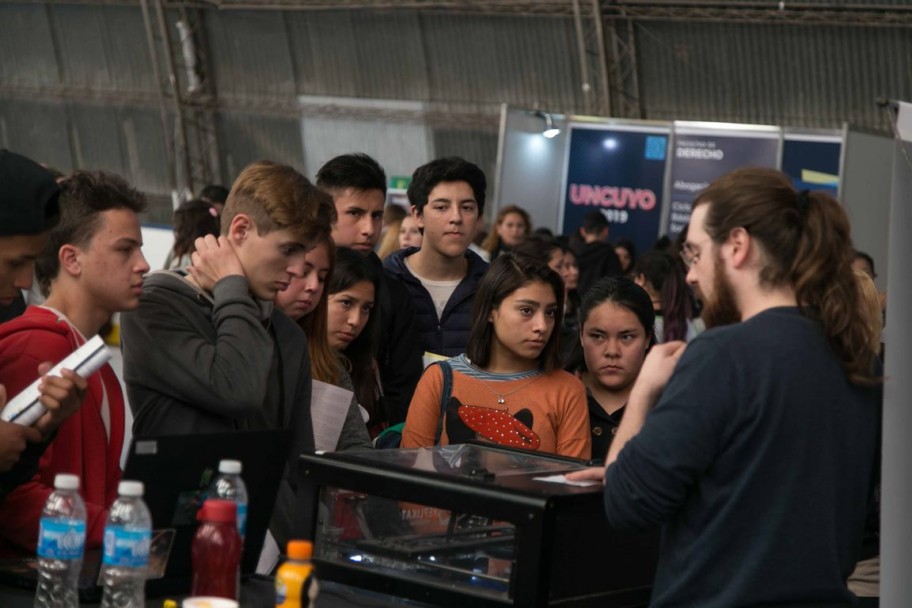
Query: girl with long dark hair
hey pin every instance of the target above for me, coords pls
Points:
(616, 332)
(662, 276)
(306, 301)
(508, 387)
(350, 325)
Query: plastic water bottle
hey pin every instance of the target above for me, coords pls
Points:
(127, 535)
(229, 486)
(61, 541)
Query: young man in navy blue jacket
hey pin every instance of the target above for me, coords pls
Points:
(755, 448)
(447, 197)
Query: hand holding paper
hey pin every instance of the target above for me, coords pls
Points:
(28, 407)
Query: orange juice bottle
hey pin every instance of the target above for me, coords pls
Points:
(295, 577)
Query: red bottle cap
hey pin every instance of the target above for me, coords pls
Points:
(218, 510)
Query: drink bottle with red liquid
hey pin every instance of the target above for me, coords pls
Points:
(216, 551)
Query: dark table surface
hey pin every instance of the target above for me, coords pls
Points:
(258, 592)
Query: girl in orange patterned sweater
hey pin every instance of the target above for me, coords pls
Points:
(508, 387)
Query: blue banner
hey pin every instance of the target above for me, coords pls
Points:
(620, 171)
(702, 155)
(813, 163)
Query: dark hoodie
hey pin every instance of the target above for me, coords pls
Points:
(398, 353)
(449, 334)
(199, 363)
(595, 260)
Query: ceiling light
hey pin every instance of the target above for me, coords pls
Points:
(550, 130)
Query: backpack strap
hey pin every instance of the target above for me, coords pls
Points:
(445, 395)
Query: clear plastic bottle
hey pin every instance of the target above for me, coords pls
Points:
(127, 535)
(61, 540)
(229, 486)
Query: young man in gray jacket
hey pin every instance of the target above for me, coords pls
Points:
(207, 352)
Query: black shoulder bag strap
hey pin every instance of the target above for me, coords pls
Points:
(445, 395)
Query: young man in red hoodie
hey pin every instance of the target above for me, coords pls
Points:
(91, 268)
(28, 210)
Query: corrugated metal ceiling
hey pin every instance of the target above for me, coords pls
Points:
(77, 88)
(472, 59)
(771, 74)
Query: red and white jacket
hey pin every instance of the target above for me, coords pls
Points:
(83, 446)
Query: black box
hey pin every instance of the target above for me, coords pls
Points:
(469, 525)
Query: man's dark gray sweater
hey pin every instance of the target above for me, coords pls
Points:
(758, 460)
(195, 363)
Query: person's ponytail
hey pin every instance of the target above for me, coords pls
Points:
(807, 242)
(826, 286)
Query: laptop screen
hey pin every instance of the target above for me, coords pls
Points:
(177, 471)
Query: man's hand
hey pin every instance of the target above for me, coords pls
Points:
(590, 474)
(654, 375)
(13, 438)
(213, 260)
(62, 396)
(657, 369)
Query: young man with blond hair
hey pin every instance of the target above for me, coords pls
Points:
(206, 351)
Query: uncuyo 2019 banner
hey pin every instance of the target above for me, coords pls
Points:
(620, 171)
(704, 152)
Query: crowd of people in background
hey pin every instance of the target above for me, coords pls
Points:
(442, 334)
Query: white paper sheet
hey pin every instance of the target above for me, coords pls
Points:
(429, 358)
(563, 479)
(269, 556)
(328, 408)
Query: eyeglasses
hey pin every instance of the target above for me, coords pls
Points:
(690, 253)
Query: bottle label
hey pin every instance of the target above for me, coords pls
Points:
(242, 518)
(281, 591)
(61, 538)
(126, 547)
(293, 582)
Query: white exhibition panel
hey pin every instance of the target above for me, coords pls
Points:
(896, 496)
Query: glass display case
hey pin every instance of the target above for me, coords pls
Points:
(469, 525)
